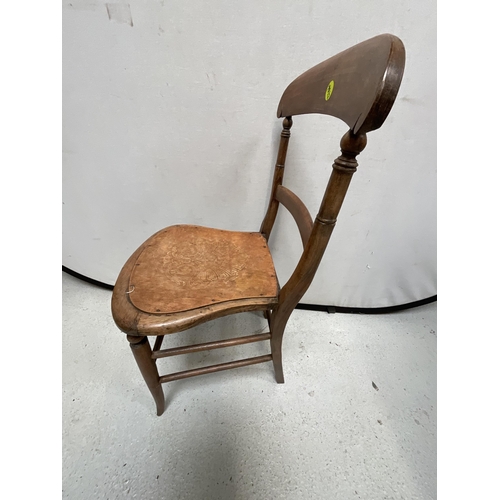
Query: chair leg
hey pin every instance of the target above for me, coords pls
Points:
(267, 316)
(142, 353)
(276, 341)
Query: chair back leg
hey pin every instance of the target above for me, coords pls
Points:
(276, 340)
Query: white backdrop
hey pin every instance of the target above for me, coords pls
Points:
(169, 116)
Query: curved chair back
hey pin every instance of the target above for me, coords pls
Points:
(358, 86)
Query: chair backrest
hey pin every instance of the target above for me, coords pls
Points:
(358, 86)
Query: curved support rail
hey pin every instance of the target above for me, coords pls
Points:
(298, 210)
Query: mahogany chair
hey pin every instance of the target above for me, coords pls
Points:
(185, 275)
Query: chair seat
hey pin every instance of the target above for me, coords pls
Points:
(184, 275)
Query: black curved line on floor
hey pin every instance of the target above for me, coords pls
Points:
(82, 277)
(308, 307)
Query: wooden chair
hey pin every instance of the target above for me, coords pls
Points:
(185, 275)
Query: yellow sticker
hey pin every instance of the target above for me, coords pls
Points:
(329, 90)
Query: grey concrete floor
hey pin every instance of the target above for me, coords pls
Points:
(355, 419)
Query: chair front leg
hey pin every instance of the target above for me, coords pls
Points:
(142, 353)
